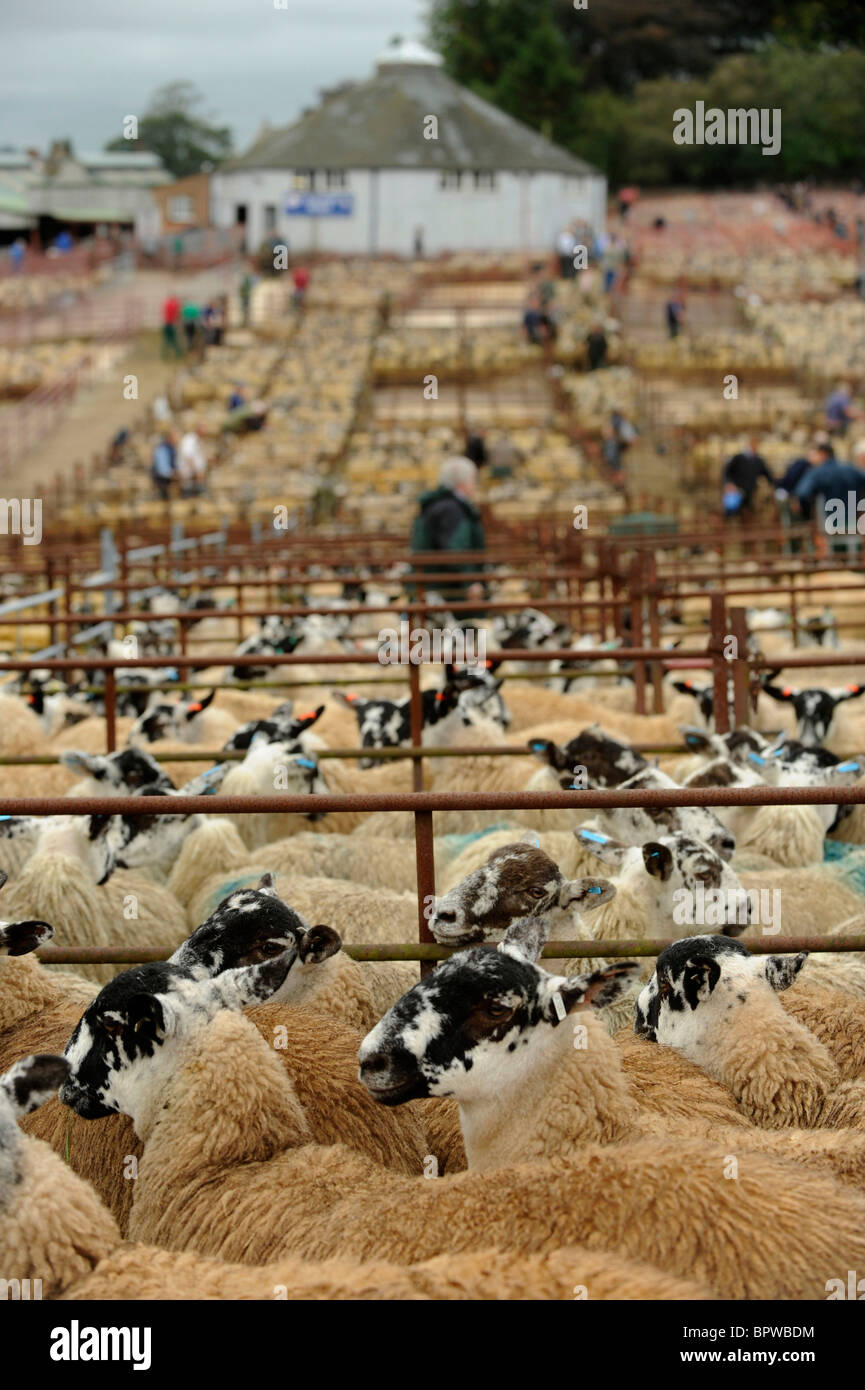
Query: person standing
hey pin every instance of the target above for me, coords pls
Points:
(675, 312)
(740, 477)
(566, 245)
(163, 465)
(596, 348)
(300, 279)
(245, 297)
(16, 254)
(191, 464)
(838, 410)
(191, 316)
(170, 319)
(448, 519)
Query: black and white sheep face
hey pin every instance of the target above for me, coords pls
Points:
(607, 761)
(814, 708)
(180, 721)
(811, 768)
(528, 631)
(636, 824)
(478, 694)
(699, 984)
(23, 1088)
(282, 726)
(116, 774)
(127, 1043)
(249, 927)
(670, 871)
(518, 880)
(472, 1028)
(380, 723)
(274, 637)
(734, 746)
(704, 696)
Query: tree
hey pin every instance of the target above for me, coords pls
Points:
(173, 128)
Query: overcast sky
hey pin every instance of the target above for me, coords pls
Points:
(77, 67)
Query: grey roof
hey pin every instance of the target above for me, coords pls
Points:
(379, 124)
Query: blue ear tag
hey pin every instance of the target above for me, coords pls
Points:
(847, 767)
(593, 835)
(305, 762)
(6, 817)
(755, 758)
(596, 890)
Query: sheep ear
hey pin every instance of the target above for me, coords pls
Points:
(587, 892)
(658, 860)
(529, 837)
(306, 721)
(3, 877)
(695, 739)
(33, 1080)
(526, 938)
(850, 692)
(267, 884)
(351, 701)
(318, 944)
(854, 765)
(84, 762)
(781, 971)
(604, 846)
(20, 938)
(594, 991)
(247, 985)
(548, 752)
(148, 1019)
(98, 825)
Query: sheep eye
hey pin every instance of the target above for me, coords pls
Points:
(664, 988)
(496, 1009)
(272, 948)
(537, 892)
(112, 1027)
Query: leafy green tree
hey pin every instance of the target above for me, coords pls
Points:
(173, 128)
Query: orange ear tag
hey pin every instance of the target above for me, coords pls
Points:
(194, 709)
(788, 690)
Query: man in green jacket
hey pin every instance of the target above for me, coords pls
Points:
(449, 520)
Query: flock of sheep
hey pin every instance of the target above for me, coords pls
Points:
(260, 1115)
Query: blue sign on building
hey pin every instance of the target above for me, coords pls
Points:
(319, 205)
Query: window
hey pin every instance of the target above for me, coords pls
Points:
(450, 179)
(180, 208)
(337, 178)
(485, 178)
(270, 217)
(304, 180)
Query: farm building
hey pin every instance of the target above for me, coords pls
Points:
(406, 160)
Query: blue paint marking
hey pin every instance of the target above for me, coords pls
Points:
(306, 762)
(593, 835)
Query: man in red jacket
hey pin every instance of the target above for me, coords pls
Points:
(170, 316)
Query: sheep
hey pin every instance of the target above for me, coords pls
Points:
(20, 729)
(271, 768)
(455, 1033)
(250, 923)
(716, 1004)
(54, 1230)
(38, 1011)
(779, 1231)
(184, 721)
(814, 708)
(64, 882)
(115, 774)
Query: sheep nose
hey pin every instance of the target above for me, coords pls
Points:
(445, 914)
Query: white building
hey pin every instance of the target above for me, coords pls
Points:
(407, 154)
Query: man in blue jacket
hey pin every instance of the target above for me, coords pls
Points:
(840, 486)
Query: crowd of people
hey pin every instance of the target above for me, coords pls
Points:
(189, 327)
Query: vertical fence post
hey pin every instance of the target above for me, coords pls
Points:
(719, 663)
(110, 710)
(637, 634)
(739, 629)
(657, 670)
(423, 820)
